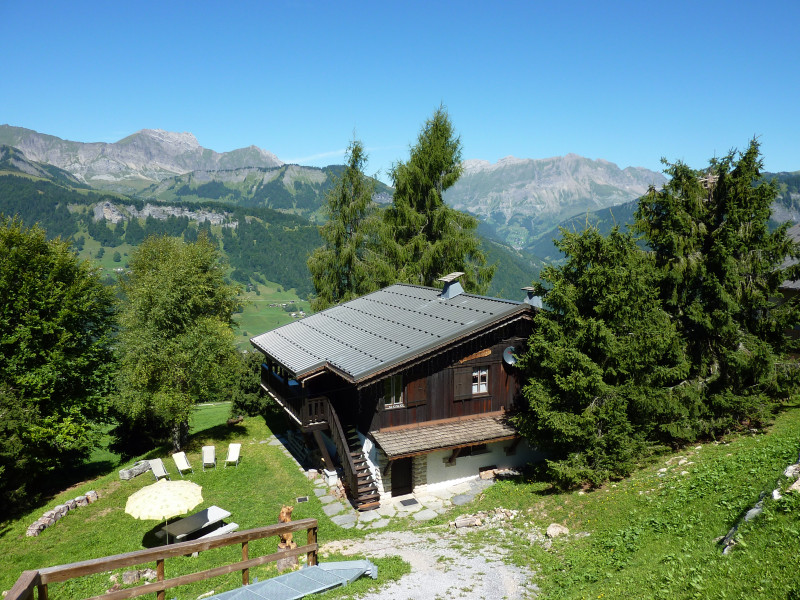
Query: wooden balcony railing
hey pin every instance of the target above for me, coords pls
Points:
(39, 579)
(307, 412)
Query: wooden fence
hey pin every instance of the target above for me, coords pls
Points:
(23, 588)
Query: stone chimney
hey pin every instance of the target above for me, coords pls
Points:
(452, 287)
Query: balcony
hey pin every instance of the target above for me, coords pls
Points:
(308, 413)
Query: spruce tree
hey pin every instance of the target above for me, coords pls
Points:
(425, 238)
(720, 270)
(601, 360)
(347, 265)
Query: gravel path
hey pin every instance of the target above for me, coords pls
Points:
(442, 566)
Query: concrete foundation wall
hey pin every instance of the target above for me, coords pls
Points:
(440, 473)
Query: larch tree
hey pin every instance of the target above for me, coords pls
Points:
(425, 238)
(348, 264)
(56, 358)
(176, 345)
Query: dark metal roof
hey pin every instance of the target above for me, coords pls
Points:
(380, 330)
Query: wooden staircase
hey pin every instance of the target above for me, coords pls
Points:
(360, 483)
(365, 496)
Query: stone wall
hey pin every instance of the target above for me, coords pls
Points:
(49, 518)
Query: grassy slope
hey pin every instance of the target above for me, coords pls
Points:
(654, 534)
(650, 536)
(253, 492)
(258, 316)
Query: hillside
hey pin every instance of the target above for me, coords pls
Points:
(276, 251)
(262, 245)
(291, 188)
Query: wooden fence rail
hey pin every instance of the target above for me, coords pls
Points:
(23, 588)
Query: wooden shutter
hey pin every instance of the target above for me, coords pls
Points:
(462, 383)
(417, 392)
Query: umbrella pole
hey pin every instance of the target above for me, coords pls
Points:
(166, 537)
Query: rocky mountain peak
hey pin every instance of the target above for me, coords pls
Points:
(180, 142)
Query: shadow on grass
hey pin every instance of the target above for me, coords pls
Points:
(151, 540)
(218, 433)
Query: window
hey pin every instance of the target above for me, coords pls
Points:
(393, 391)
(480, 380)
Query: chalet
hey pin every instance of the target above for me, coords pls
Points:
(409, 386)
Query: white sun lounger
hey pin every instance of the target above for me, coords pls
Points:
(158, 468)
(182, 463)
(209, 457)
(234, 450)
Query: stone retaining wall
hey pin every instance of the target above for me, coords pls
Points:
(49, 518)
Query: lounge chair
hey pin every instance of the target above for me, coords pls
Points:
(158, 468)
(209, 457)
(233, 454)
(182, 463)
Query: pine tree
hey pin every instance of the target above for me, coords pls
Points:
(720, 269)
(425, 238)
(347, 265)
(601, 360)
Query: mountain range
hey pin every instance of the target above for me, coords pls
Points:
(139, 160)
(520, 202)
(522, 199)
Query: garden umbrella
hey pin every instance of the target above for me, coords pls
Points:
(164, 500)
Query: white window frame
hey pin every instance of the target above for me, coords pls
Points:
(480, 380)
(393, 392)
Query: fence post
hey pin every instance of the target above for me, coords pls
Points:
(311, 557)
(41, 591)
(160, 577)
(245, 572)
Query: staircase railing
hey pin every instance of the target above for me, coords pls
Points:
(343, 449)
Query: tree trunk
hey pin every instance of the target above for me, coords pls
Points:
(180, 435)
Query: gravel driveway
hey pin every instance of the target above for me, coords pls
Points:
(443, 566)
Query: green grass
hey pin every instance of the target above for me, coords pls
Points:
(253, 492)
(650, 536)
(258, 316)
(653, 535)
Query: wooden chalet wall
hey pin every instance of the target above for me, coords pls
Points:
(441, 387)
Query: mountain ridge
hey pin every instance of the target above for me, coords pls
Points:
(521, 199)
(136, 161)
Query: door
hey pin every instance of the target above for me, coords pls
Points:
(401, 477)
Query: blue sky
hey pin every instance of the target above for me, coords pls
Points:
(628, 82)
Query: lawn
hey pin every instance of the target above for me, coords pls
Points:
(258, 316)
(651, 536)
(253, 492)
(654, 535)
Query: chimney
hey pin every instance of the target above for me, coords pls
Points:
(535, 301)
(452, 287)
